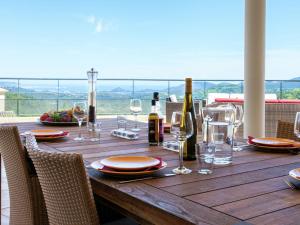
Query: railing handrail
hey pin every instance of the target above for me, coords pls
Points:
(141, 79)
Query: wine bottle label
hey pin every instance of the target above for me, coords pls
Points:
(153, 134)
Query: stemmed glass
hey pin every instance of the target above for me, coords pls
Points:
(238, 121)
(297, 125)
(182, 128)
(135, 108)
(207, 115)
(80, 113)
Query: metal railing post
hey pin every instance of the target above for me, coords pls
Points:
(168, 88)
(133, 87)
(18, 99)
(242, 87)
(204, 90)
(281, 89)
(57, 98)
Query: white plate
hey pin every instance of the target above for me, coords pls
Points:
(46, 132)
(98, 166)
(130, 162)
(294, 177)
(295, 173)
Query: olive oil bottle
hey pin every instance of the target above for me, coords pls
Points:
(153, 125)
(189, 152)
(161, 118)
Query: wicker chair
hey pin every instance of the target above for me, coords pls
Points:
(66, 188)
(27, 205)
(286, 130)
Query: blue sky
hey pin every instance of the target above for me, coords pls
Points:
(142, 38)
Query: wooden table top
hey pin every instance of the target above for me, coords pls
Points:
(251, 190)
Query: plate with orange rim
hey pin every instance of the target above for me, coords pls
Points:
(51, 138)
(130, 163)
(108, 171)
(46, 132)
(273, 142)
(47, 135)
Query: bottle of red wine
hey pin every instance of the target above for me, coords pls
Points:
(161, 118)
(189, 152)
(153, 125)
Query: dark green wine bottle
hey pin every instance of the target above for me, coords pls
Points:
(189, 152)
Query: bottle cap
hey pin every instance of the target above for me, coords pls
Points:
(156, 96)
(188, 85)
(153, 102)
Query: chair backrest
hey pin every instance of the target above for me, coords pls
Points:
(26, 199)
(7, 114)
(286, 130)
(66, 188)
(212, 96)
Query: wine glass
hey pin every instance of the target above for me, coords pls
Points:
(238, 121)
(182, 128)
(135, 108)
(80, 113)
(297, 125)
(207, 114)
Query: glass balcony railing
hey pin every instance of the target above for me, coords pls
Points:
(33, 96)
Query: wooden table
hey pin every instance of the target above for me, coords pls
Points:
(250, 190)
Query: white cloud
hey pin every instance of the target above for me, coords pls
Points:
(91, 19)
(98, 24)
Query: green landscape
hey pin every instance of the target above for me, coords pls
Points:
(25, 101)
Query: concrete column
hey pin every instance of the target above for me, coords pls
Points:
(254, 68)
(2, 99)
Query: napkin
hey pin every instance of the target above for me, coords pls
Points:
(250, 138)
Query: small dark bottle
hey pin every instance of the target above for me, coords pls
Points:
(161, 118)
(153, 125)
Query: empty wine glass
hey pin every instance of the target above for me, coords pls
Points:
(80, 113)
(297, 125)
(207, 114)
(238, 121)
(135, 108)
(182, 128)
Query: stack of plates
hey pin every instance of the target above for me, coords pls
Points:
(129, 165)
(274, 144)
(49, 134)
(294, 177)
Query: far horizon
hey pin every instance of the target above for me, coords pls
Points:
(149, 39)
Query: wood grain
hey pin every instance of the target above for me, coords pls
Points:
(288, 216)
(260, 205)
(250, 190)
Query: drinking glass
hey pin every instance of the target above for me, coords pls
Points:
(181, 128)
(205, 155)
(297, 125)
(122, 122)
(96, 132)
(220, 137)
(207, 115)
(238, 121)
(216, 112)
(135, 108)
(80, 113)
